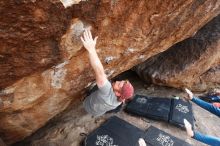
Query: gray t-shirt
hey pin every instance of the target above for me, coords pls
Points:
(101, 101)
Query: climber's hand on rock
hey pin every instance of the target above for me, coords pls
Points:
(88, 42)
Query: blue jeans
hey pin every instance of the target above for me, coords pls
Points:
(208, 106)
(210, 140)
(207, 139)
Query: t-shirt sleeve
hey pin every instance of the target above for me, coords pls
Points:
(104, 90)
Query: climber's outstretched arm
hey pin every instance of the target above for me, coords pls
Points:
(90, 43)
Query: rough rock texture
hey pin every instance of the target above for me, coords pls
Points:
(2, 143)
(192, 63)
(29, 35)
(44, 67)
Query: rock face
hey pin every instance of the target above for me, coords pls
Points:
(2, 143)
(192, 63)
(43, 64)
(29, 36)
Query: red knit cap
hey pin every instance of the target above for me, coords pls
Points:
(127, 90)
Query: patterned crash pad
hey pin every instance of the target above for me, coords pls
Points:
(157, 137)
(180, 110)
(150, 107)
(159, 108)
(117, 132)
(114, 132)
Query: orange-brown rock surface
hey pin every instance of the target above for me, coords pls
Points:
(43, 64)
(192, 63)
(2, 143)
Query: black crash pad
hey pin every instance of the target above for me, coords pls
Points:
(157, 137)
(114, 132)
(181, 110)
(150, 107)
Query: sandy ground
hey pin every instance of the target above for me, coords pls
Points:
(66, 128)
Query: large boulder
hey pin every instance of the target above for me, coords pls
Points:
(44, 67)
(192, 63)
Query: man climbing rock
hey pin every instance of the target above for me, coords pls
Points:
(108, 96)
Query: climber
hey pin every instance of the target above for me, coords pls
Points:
(108, 96)
(210, 140)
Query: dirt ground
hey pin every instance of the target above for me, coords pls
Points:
(66, 128)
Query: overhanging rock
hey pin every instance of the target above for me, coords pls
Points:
(43, 70)
(192, 63)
